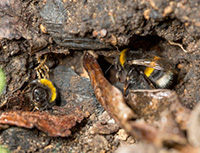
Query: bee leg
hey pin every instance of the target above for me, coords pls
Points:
(147, 79)
(41, 72)
(46, 70)
(42, 67)
(26, 89)
(129, 79)
(125, 88)
(35, 108)
(38, 68)
(38, 73)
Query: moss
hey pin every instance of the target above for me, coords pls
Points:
(2, 80)
(4, 149)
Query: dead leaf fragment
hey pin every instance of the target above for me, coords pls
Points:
(53, 124)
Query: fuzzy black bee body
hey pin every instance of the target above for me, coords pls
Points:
(157, 71)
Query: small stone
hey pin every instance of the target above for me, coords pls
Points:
(123, 135)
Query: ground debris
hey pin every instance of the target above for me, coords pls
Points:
(150, 105)
(193, 132)
(16, 22)
(117, 22)
(10, 22)
(54, 20)
(105, 125)
(52, 124)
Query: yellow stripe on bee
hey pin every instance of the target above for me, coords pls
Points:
(148, 71)
(122, 57)
(156, 58)
(51, 87)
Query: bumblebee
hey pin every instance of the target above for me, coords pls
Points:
(44, 94)
(157, 71)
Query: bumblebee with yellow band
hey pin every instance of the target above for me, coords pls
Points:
(44, 93)
(158, 71)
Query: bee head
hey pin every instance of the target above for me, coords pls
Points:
(43, 93)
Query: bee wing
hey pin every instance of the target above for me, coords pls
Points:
(148, 63)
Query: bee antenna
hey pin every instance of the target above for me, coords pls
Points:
(117, 49)
(109, 68)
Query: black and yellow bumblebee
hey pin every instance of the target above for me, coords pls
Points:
(44, 94)
(157, 71)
